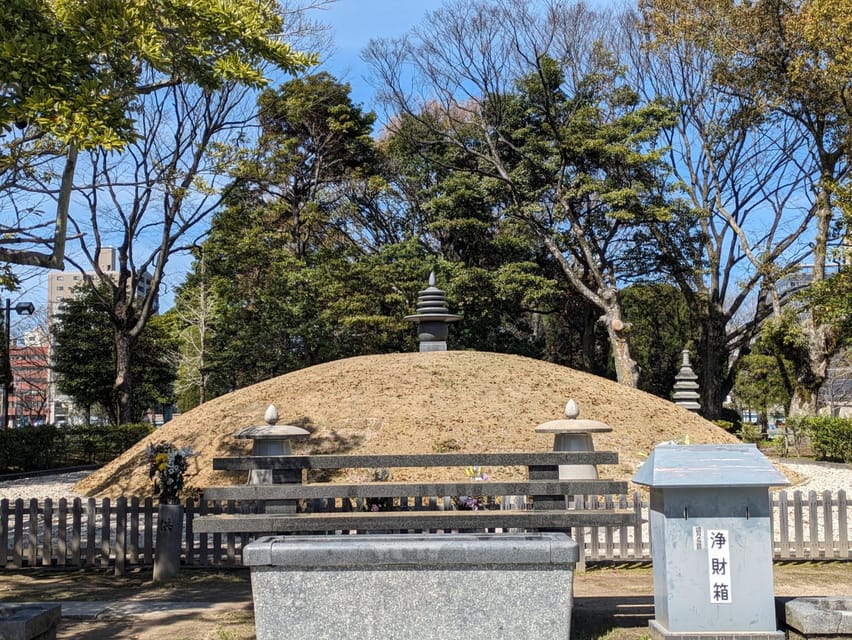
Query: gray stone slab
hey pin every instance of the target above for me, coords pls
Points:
(29, 621)
(455, 550)
(92, 610)
(416, 520)
(433, 587)
(399, 489)
(376, 461)
(823, 616)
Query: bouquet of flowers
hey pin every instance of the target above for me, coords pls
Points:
(166, 466)
(472, 503)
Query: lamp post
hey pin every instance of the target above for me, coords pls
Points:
(22, 309)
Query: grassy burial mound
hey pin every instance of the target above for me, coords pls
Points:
(461, 401)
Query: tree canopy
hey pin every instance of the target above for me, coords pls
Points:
(73, 73)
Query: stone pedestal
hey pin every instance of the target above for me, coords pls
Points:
(413, 587)
(169, 539)
(818, 618)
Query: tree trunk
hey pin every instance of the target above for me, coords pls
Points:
(814, 373)
(606, 299)
(820, 350)
(712, 363)
(123, 378)
(626, 371)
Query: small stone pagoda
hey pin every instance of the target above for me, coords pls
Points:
(433, 318)
(686, 386)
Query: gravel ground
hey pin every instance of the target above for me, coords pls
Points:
(54, 486)
(820, 476)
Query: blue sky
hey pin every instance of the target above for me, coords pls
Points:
(354, 23)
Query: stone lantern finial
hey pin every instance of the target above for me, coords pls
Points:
(271, 415)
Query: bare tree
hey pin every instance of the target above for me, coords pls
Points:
(529, 97)
(787, 61)
(194, 307)
(740, 231)
(149, 202)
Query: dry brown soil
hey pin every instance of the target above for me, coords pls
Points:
(615, 602)
(416, 403)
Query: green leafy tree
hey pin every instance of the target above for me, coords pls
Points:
(313, 139)
(289, 284)
(497, 272)
(760, 385)
(660, 330)
(84, 359)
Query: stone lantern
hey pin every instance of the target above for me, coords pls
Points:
(272, 439)
(573, 434)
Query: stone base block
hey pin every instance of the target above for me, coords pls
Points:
(29, 621)
(432, 345)
(413, 587)
(656, 631)
(828, 618)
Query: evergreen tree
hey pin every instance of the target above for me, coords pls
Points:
(84, 359)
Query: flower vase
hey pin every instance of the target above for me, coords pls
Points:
(168, 543)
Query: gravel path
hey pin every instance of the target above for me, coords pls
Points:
(55, 486)
(820, 476)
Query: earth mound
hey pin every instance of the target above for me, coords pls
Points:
(462, 401)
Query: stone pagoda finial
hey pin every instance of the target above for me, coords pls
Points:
(432, 318)
(686, 386)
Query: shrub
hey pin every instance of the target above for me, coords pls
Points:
(48, 447)
(731, 416)
(727, 426)
(750, 433)
(831, 438)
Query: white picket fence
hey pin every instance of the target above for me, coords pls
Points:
(81, 533)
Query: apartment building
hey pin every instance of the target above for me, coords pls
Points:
(61, 284)
(29, 402)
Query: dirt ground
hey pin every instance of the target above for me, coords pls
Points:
(613, 602)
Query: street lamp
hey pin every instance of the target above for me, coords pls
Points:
(22, 309)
